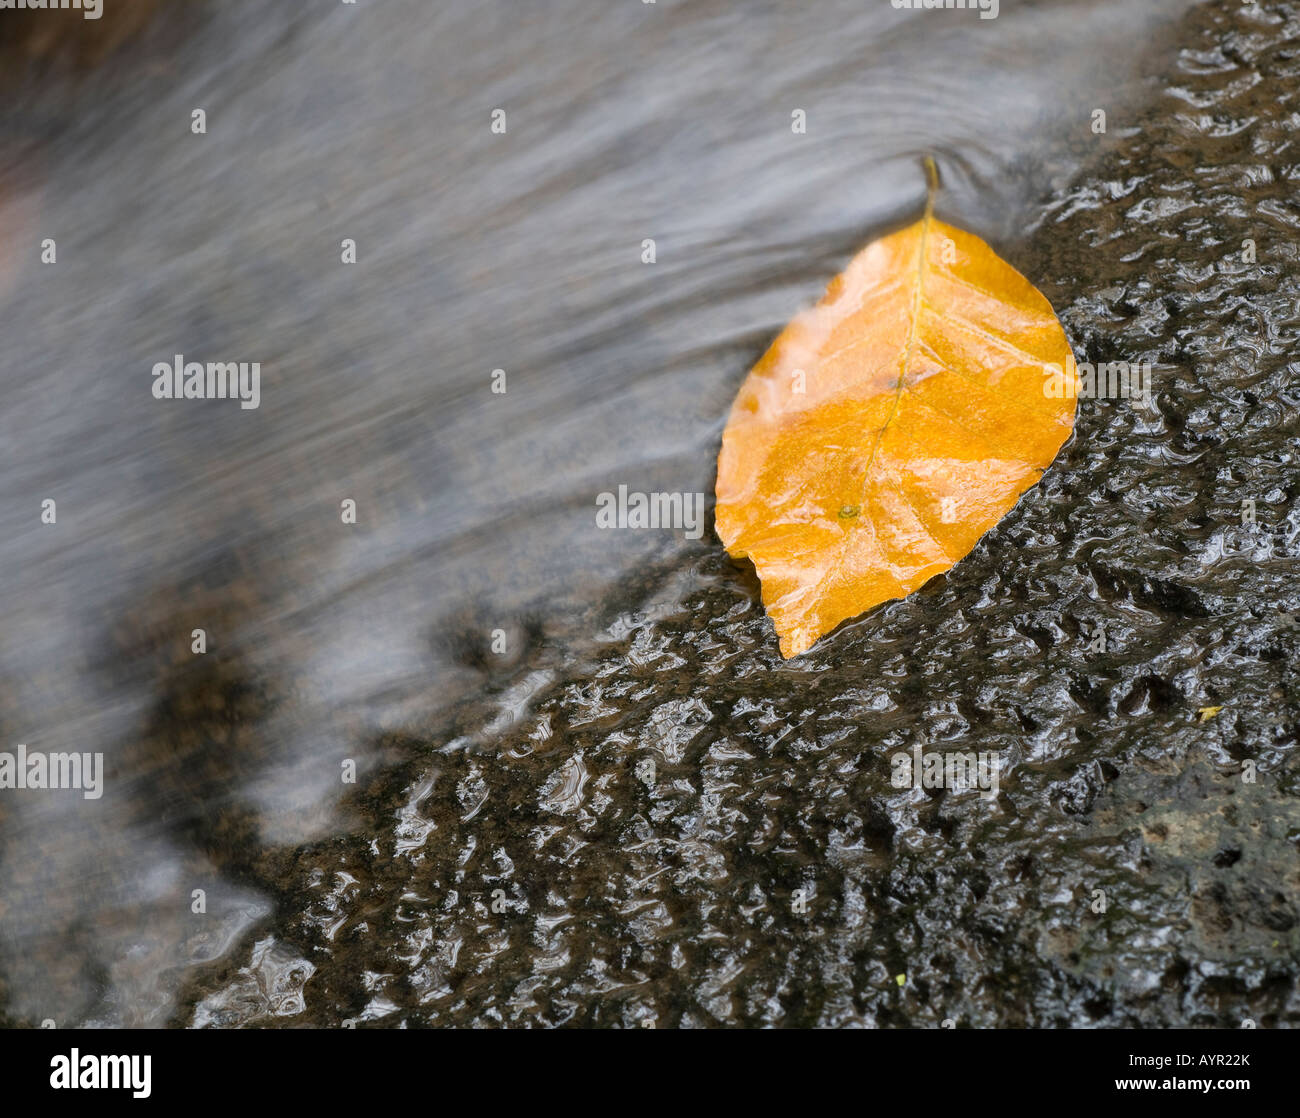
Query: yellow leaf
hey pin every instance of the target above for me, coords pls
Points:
(890, 426)
(1204, 714)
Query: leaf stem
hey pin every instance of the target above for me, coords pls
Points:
(931, 184)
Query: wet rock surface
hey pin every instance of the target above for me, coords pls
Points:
(646, 816)
(638, 813)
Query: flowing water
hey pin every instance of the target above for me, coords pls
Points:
(588, 789)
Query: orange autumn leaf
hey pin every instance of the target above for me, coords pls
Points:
(890, 426)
